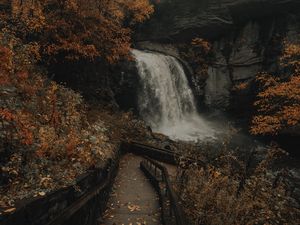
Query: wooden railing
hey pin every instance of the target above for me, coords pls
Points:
(70, 206)
(172, 212)
(67, 206)
(99, 193)
(162, 155)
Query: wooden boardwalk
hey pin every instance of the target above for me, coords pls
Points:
(133, 200)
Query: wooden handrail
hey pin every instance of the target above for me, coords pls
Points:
(149, 146)
(175, 208)
(166, 151)
(78, 204)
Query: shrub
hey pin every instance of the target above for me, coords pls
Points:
(230, 191)
(278, 103)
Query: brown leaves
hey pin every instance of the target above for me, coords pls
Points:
(139, 10)
(133, 208)
(241, 86)
(202, 44)
(76, 30)
(43, 122)
(72, 142)
(278, 101)
(10, 210)
(265, 125)
(5, 114)
(291, 57)
(210, 197)
(5, 59)
(30, 13)
(18, 127)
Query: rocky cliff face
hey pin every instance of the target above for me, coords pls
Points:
(240, 55)
(179, 20)
(245, 36)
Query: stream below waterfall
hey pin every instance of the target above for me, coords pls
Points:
(167, 104)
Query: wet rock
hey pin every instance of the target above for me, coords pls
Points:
(125, 84)
(239, 56)
(217, 89)
(168, 49)
(179, 20)
(242, 33)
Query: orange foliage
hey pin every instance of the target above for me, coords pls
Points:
(35, 112)
(5, 65)
(5, 114)
(278, 102)
(138, 11)
(230, 192)
(77, 29)
(40, 118)
(291, 57)
(72, 143)
(25, 127)
(204, 45)
(18, 126)
(242, 86)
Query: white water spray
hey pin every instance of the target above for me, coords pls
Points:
(166, 101)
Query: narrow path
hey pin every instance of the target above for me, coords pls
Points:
(133, 200)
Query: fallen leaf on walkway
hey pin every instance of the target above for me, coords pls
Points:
(133, 208)
(42, 193)
(9, 210)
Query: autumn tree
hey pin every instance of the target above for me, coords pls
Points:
(41, 123)
(77, 29)
(278, 103)
(45, 138)
(226, 191)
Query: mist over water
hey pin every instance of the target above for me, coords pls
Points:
(166, 101)
(167, 104)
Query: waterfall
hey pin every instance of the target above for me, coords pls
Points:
(165, 100)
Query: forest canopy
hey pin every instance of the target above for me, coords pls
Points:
(278, 103)
(44, 125)
(77, 29)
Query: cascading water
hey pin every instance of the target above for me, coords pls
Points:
(166, 101)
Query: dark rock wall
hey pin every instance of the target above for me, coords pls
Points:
(125, 85)
(246, 37)
(253, 47)
(107, 85)
(179, 20)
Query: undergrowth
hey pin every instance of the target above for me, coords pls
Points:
(228, 190)
(48, 134)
